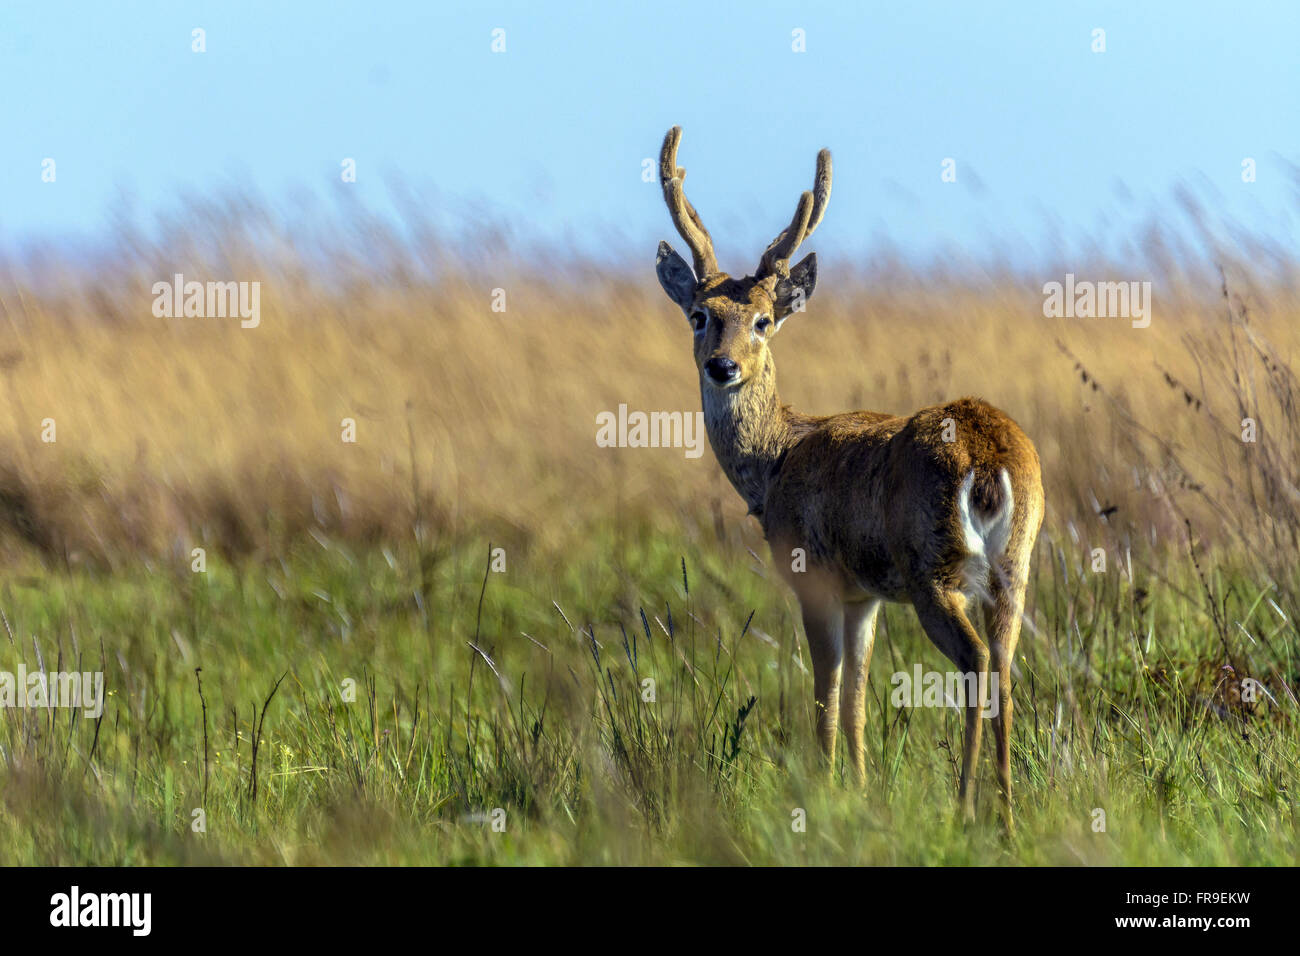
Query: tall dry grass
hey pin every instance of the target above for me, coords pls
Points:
(522, 690)
(174, 433)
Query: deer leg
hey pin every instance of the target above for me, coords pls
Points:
(859, 637)
(944, 619)
(1002, 621)
(823, 621)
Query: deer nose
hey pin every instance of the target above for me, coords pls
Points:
(721, 369)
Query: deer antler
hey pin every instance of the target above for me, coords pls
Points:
(807, 217)
(685, 218)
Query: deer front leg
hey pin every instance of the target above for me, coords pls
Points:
(859, 638)
(823, 621)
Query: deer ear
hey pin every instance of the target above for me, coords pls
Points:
(675, 276)
(793, 291)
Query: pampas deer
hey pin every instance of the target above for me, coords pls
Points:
(939, 509)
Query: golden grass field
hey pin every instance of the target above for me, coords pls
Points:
(171, 430)
(477, 426)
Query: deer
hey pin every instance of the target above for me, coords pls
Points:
(939, 509)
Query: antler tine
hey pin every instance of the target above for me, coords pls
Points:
(685, 218)
(807, 217)
(821, 191)
(776, 257)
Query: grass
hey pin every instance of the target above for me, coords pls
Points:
(350, 681)
(1120, 708)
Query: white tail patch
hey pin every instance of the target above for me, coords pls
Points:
(986, 535)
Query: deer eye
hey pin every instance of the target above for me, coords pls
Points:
(698, 320)
(762, 323)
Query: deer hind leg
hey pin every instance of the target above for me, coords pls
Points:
(859, 638)
(1002, 622)
(823, 621)
(943, 616)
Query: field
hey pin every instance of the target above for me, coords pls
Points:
(432, 644)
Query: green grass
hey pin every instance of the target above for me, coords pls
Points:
(1122, 701)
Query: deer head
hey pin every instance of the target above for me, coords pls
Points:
(734, 319)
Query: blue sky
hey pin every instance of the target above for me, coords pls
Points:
(1053, 144)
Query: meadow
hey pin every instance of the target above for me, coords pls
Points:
(474, 636)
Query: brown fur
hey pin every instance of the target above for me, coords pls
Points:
(871, 498)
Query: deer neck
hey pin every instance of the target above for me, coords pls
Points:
(750, 432)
